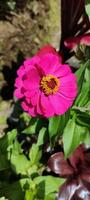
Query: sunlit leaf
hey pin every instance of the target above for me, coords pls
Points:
(87, 7)
(48, 184)
(35, 154)
(84, 95)
(19, 162)
(57, 124)
(71, 137)
(29, 195)
(41, 137)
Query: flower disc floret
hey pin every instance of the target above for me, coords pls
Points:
(50, 84)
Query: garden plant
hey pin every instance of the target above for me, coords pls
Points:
(45, 151)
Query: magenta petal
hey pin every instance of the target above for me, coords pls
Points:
(68, 87)
(34, 99)
(25, 106)
(68, 92)
(30, 93)
(21, 71)
(49, 63)
(18, 93)
(38, 106)
(68, 80)
(18, 82)
(32, 80)
(60, 104)
(46, 106)
(62, 70)
(30, 62)
(48, 49)
(32, 111)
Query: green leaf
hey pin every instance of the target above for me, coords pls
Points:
(57, 124)
(83, 118)
(41, 137)
(35, 154)
(87, 74)
(87, 7)
(84, 95)
(12, 191)
(31, 129)
(86, 139)
(4, 164)
(47, 184)
(71, 137)
(19, 162)
(50, 196)
(5, 143)
(29, 195)
(80, 75)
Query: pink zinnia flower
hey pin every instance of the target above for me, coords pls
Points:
(45, 86)
(72, 43)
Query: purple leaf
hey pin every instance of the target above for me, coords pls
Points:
(77, 159)
(59, 165)
(82, 193)
(74, 190)
(67, 190)
(74, 21)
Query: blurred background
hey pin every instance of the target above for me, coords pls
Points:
(25, 26)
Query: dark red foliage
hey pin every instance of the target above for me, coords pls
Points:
(74, 21)
(77, 171)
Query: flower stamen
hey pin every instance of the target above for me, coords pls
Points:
(49, 84)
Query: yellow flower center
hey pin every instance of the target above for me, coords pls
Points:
(49, 84)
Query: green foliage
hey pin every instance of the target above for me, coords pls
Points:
(80, 73)
(35, 154)
(87, 7)
(46, 186)
(77, 130)
(71, 137)
(57, 125)
(18, 160)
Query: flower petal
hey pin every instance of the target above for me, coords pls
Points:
(25, 106)
(34, 99)
(49, 63)
(71, 43)
(32, 111)
(30, 62)
(62, 70)
(32, 80)
(48, 49)
(18, 93)
(30, 93)
(68, 86)
(21, 71)
(46, 106)
(18, 82)
(60, 104)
